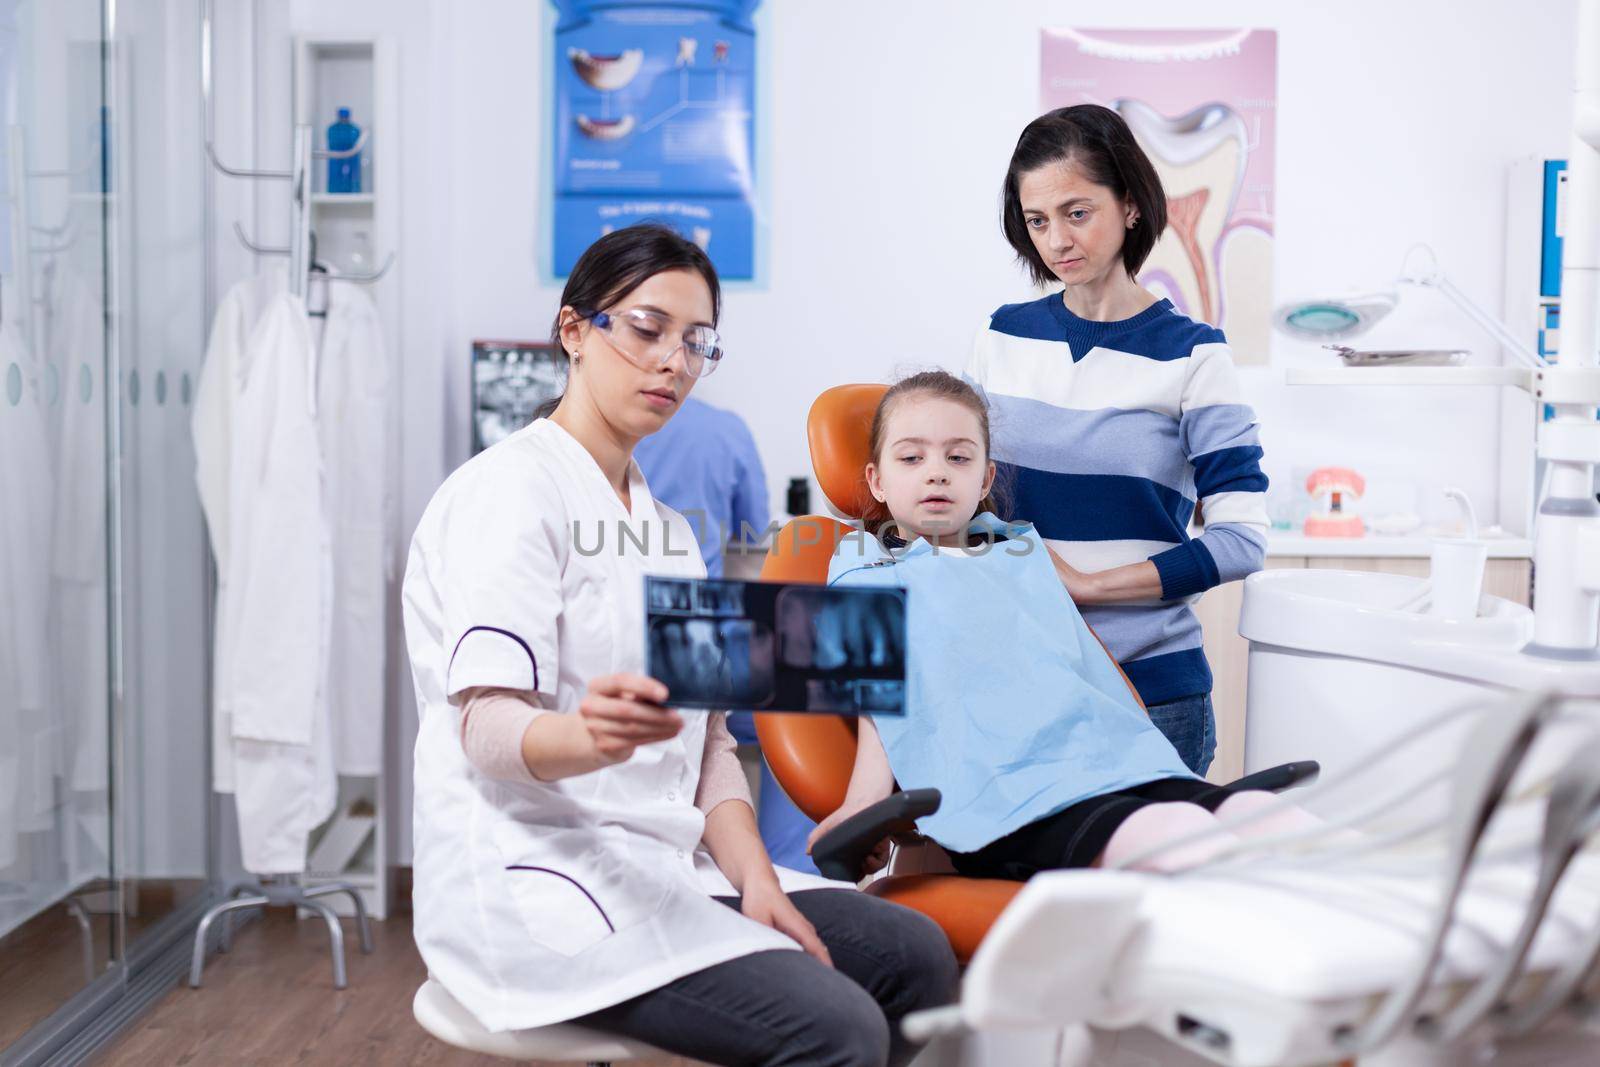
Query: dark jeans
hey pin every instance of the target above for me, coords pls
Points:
(780, 1007)
(1191, 726)
(1076, 836)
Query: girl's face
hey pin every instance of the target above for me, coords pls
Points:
(931, 470)
(1077, 226)
(617, 369)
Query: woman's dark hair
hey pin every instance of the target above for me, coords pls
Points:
(1098, 141)
(941, 385)
(620, 262)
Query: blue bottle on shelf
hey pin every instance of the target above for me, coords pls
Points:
(344, 173)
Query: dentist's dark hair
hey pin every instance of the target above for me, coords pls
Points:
(1098, 140)
(620, 262)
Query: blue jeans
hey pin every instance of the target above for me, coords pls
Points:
(1191, 726)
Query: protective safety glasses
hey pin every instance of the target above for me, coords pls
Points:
(647, 340)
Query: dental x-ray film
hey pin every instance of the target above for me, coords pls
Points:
(773, 646)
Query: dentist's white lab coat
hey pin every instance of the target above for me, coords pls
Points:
(542, 902)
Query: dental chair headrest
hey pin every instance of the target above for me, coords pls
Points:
(837, 429)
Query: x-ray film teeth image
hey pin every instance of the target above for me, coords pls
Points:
(768, 646)
(721, 598)
(510, 379)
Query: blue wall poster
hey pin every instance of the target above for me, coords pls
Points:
(654, 120)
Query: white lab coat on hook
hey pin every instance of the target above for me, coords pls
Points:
(212, 425)
(353, 407)
(273, 612)
(27, 710)
(78, 563)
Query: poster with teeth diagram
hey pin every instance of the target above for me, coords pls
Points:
(1203, 106)
(654, 120)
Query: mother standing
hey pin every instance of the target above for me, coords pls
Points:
(583, 852)
(1114, 414)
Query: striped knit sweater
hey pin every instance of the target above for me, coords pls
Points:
(1106, 434)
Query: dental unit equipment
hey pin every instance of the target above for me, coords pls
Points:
(1430, 943)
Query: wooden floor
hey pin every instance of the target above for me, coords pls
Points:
(42, 962)
(42, 966)
(271, 1001)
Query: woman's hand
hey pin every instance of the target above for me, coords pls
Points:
(1081, 587)
(844, 811)
(769, 905)
(622, 712)
(1132, 581)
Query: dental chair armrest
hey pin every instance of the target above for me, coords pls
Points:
(1277, 779)
(840, 853)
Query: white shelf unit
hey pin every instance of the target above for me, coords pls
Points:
(362, 75)
(1516, 377)
(1515, 432)
(336, 199)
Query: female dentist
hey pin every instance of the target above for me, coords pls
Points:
(582, 852)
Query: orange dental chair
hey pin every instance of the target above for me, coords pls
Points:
(812, 755)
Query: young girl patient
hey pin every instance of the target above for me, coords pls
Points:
(1014, 711)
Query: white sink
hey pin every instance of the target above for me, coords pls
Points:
(1366, 615)
(1342, 663)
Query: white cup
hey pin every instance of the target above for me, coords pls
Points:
(1457, 577)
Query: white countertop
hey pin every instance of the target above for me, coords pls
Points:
(1412, 546)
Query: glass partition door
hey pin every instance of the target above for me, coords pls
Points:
(58, 904)
(105, 840)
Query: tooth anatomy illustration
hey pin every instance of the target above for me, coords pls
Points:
(702, 236)
(687, 47)
(1201, 158)
(1183, 217)
(606, 129)
(606, 73)
(719, 52)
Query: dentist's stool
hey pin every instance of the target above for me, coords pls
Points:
(443, 1016)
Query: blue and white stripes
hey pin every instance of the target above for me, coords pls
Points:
(1107, 433)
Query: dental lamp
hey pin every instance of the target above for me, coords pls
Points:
(1335, 318)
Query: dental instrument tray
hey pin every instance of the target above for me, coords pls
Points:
(776, 646)
(1400, 357)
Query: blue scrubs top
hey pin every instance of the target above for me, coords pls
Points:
(1013, 709)
(704, 464)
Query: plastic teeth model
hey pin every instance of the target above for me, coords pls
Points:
(606, 73)
(1335, 488)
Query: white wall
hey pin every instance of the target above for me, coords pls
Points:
(888, 128)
